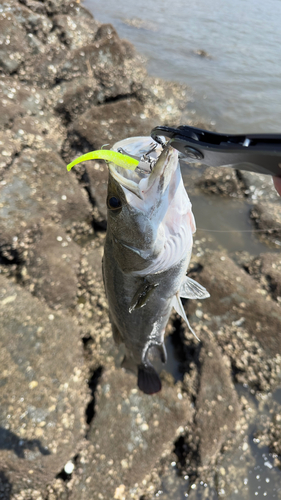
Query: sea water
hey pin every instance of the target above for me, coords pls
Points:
(227, 52)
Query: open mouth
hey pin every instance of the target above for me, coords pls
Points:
(152, 164)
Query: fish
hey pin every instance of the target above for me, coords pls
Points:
(148, 245)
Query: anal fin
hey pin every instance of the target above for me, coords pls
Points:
(177, 304)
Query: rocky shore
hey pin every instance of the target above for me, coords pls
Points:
(73, 424)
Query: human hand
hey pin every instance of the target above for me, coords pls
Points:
(277, 184)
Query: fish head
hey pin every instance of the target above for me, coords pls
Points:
(140, 204)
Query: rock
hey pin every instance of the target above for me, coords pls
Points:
(42, 392)
(5, 487)
(244, 319)
(259, 186)
(128, 436)
(235, 295)
(13, 43)
(138, 23)
(51, 267)
(77, 96)
(17, 100)
(104, 60)
(271, 436)
(105, 124)
(202, 53)
(208, 382)
(267, 218)
(76, 28)
(33, 23)
(220, 181)
(34, 132)
(8, 149)
(26, 118)
(93, 265)
(35, 6)
(97, 174)
(217, 407)
(37, 189)
(42, 70)
(266, 268)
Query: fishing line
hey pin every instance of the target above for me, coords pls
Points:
(238, 230)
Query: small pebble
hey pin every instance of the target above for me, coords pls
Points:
(69, 467)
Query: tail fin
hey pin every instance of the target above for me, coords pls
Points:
(148, 380)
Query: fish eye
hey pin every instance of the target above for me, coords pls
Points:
(114, 203)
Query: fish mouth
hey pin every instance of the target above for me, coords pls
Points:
(156, 170)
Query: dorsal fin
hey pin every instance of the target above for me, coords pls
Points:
(177, 304)
(190, 289)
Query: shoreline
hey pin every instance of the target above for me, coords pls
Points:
(68, 85)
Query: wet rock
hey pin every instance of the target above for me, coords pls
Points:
(76, 28)
(138, 23)
(105, 124)
(103, 60)
(267, 270)
(36, 189)
(13, 43)
(42, 392)
(267, 218)
(235, 297)
(217, 406)
(259, 186)
(5, 487)
(202, 53)
(35, 6)
(51, 267)
(8, 149)
(33, 23)
(222, 181)
(18, 101)
(271, 435)
(37, 132)
(76, 96)
(42, 70)
(93, 265)
(27, 113)
(122, 452)
(208, 381)
(244, 319)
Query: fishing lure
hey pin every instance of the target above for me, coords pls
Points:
(118, 159)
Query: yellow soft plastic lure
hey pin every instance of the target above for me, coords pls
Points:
(119, 159)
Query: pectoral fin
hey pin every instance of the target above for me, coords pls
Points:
(190, 289)
(177, 304)
(142, 295)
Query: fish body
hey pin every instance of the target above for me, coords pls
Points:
(147, 251)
